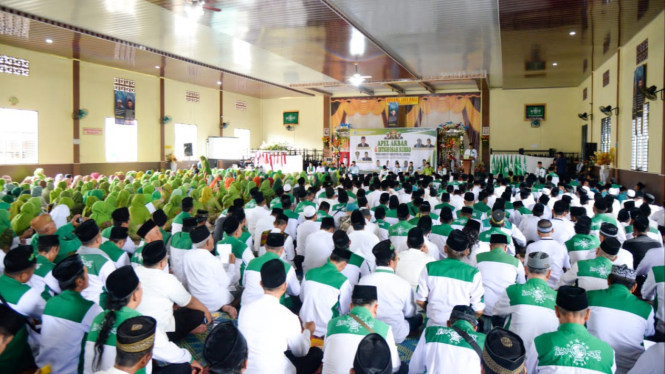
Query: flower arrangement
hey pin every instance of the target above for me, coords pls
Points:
(284, 146)
(345, 126)
(326, 141)
(604, 158)
(479, 168)
(171, 158)
(336, 144)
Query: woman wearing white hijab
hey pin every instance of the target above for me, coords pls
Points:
(59, 214)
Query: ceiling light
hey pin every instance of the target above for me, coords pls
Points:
(156, 66)
(356, 80)
(219, 82)
(554, 64)
(357, 44)
(49, 41)
(572, 33)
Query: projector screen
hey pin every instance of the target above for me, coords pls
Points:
(224, 148)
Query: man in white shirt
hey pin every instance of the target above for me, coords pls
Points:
(529, 224)
(564, 229)
(206, 278)
(276, 341)
(161, 290)
(446, 283)
(395, 295)
(99, 264)
(362, 241)
(319, 246)
(308, 227)
(559, 259)
(264, 224)
(254, 215)
(620, 318)
(471, 154)
(591, 274)
(414, 259)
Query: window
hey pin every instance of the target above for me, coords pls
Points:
(18, 136)
(243, 135)
(185, 134)
(121, 141)
(640, 141)
(605, 127)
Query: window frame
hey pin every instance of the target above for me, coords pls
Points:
(4, 160)
(109, 142)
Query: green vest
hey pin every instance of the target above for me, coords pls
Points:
(447, 335)
(348, 325)
(581, 242)
(180, 217)
(17, 356)
(400, 229)
(112, 250)
(599, 267)
(256, 265)
(120, 316)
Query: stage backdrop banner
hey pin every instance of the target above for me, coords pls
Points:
(518, 164)
(403, 145)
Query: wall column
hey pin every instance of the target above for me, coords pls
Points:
(326, 122)
(76, 81)
(485, 120)
(221, 113)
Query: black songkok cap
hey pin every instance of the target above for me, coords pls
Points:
(464, 312)
(629, 204)
(122, 282)
(498, 239)
(199, 234)
(415, 238)
(48, 240)
(231, 224)
(504, 352)
(276, 239)
(473, 225)
(145, 228)
(366, 293)
(160, 217)
(120, 215)
(136, 334)
(340, 239)
(342, 253)
(273, 274)
(201, 212)
(446, 214)
(385, 197)
(577, 211)
(118, 233)
(383, 251)
(559, 207)
(373, 356)
(641, 223)
(518, 204)
(611, 246)
(583, 224)
(469, 196)
(67, 270)
(276, 211)
(571, 298)
(258, 198)
(153, 252)
(649, 198)
(10, 320)
(357, 218)
(425, 223)
(224, 348)
(623, 215)
(189, 222)
(538, 209)
(498, 217)
(20, 258)
(403, 210)
(609, 230)
(600, 205)
(87, 231)
(457, 241)
(467, 210)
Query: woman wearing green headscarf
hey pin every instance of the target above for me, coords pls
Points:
(22, 220)
(138, 213)
(172, 208)
(196, 196)
(278, 184)
(123, 199)
(5, 222)
(90, 201)
(54, 195)
(268, 192)
(70, 204)
(101, 214)
(209, 202)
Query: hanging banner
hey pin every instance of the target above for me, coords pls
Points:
(372, 149)
(502, 163)
(393, 114)
(125, 101)
(413, 100)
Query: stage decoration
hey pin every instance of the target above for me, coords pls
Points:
(326, 141)
(604, 160)
(276, 160)
(479, 168)
(340, 144)
(284, 146)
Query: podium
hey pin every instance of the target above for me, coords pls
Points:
(466, 166)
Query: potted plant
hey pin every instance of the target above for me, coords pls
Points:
(170, 158)
(604, 160)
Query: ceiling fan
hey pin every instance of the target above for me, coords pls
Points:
(357, 79)
(201, 3)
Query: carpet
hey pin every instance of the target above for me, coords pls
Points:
(194, 342)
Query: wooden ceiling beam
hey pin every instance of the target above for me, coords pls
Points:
(322, 92)
(427, 86)
(395, 88)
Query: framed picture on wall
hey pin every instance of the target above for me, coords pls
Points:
(326, 131)
(291, 117)
(535, 111)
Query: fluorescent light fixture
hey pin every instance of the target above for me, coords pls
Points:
(49, 41)
(156, 66)
(554, 64)
(357, 44)
(219, 82)
(356, 80)
(572, 33)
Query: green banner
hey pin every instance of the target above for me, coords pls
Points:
(291, 117)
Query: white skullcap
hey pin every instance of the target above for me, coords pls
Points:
(309, 211)
(631, 193)
(287, 187)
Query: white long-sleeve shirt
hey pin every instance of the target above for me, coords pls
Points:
(305, 229)
(319, 246)
(396, 298)
(564, 230)
(325, 294)
(362, 243)
(499, 270)
(206, 278)
(270, 329)
(558, 253)
(160, 291)
(654, 288)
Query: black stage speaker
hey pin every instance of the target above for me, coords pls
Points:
(188, 150)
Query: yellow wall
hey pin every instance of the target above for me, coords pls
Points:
(204, 114)
(48, 90)
(97, 97)
(250, 118)
(604, 96)
(561, 129)
(656, 35)
(307, 134)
